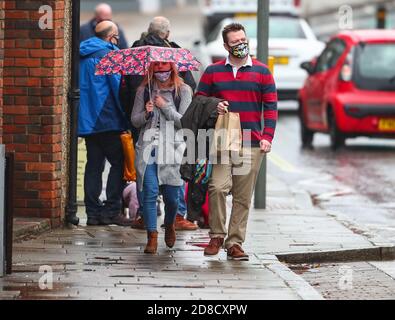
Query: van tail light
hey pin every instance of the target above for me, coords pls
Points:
(347, 69)
(297, 3)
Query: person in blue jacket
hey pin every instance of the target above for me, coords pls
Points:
(101, 121)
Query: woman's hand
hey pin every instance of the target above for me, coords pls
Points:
(149, 109)
(160, 102)
(149, 106)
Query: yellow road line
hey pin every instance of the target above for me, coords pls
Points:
(281, 163)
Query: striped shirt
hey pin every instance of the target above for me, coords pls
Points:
(250, 93)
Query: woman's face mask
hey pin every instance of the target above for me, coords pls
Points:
(240, 50)
(162, 76)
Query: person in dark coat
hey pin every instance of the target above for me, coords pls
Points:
(201, 114)
(102, 12)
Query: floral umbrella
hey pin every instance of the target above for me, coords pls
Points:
(135, 61)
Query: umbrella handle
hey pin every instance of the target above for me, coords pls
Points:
(149, 87)
(151, 113)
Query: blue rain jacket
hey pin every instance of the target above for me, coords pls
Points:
(100, 108)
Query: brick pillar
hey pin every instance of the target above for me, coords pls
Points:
(1, 66)
(33, 99)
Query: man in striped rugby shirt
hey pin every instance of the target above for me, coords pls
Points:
(247, 87)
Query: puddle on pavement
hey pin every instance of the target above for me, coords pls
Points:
(303, 268)
(75, 243)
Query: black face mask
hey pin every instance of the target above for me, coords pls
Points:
(116, 40)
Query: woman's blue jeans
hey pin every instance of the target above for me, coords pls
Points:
(182, 206)
(150, 194)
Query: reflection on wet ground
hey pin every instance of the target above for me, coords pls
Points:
(109, 263)
(357, 180)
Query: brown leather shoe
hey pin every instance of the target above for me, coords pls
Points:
(214, 246)
(138, 224)
(170, 235)
(236, 253)
(152, 243)
(183, 224)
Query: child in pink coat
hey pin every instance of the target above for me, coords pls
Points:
(130, 199)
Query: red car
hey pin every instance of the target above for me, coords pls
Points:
(350, 90)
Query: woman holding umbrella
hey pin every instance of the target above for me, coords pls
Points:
(159, 105)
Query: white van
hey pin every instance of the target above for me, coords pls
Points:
(215, 11)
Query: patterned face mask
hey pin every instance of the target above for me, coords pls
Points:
(162, 76)
(240, 50)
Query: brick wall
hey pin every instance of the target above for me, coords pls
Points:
(33, 103)
(1, 66)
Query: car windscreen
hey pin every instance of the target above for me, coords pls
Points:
(279, 28)
(374, 66)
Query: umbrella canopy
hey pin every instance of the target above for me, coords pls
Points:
(135, 61)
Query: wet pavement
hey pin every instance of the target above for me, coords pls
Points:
(109, 263)
(350, 281)
(101, 263)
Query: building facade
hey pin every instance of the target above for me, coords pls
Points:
(35, 51)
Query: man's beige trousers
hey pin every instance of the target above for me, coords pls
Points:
(237, 177)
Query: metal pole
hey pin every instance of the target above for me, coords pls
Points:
(74, 102)
(2, 212)
(9, 208)
(381, 15)
(262, 55)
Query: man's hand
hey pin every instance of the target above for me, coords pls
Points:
(222, 107)
(266, 146)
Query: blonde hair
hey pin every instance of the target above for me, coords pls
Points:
(175, 81)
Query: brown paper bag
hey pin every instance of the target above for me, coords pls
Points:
(227, 133)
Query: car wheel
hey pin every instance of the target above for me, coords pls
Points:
(337, 138)
(306, 134)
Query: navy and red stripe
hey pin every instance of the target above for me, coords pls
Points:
(250, 94)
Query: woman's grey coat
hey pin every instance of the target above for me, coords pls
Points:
(171, 145)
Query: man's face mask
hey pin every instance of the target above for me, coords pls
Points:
(162, 76)
(240, 50)
(115, 40)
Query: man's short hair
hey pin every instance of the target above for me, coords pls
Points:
(104, 33)
(159, 26)
(233, 27)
